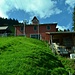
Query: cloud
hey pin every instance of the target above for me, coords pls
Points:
(2, 14)
(3, 9)
(71, 3)
(60, 27)
(41, 8)
(69, 26)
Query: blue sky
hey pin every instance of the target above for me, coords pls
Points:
(47, 11)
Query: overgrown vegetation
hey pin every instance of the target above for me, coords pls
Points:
(5, 21)
(26, 56)
(9, 22)
(69, 64)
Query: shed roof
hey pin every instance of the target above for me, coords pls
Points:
(53, 33)
(3, 27)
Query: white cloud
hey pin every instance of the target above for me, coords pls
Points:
(42, 8)
(60, 27)
(69, 26)
(2, 14)
(71, 3)
(21, 21)
(2, 9)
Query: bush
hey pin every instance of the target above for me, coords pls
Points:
(59, 71)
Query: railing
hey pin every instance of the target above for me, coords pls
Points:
(6, 34)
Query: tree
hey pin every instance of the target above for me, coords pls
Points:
(73, 19)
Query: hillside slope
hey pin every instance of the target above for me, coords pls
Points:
(26, 56)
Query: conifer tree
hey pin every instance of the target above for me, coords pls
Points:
(73, 19)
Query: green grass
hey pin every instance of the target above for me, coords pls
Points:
(69, 64)
(26, 56)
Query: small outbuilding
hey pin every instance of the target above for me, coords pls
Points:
(66, 39)
(4, 30)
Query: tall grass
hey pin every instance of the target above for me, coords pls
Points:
(26, 56)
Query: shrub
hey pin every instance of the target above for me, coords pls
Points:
(59, 71)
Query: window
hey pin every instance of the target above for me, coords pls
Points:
(35, 21)
(35, 27)
(48, 27)
(36, 36)
(22, 28)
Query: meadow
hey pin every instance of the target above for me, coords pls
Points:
(27, 56)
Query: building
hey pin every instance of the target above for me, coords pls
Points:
(35, 29)
(64, 40)
(4, 30)
(48, 32)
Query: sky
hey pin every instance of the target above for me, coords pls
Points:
(47, 11)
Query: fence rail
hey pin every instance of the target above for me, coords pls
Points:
(6, 34)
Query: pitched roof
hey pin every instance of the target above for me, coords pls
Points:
(35, 18)
(3, 27)
(39, 24)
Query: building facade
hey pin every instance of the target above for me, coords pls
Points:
(35, 30)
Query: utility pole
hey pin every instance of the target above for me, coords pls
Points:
(38, 32)
(24, 22)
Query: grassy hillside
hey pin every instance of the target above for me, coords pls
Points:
(26, 56)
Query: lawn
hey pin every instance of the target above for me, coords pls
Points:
(26, 56)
